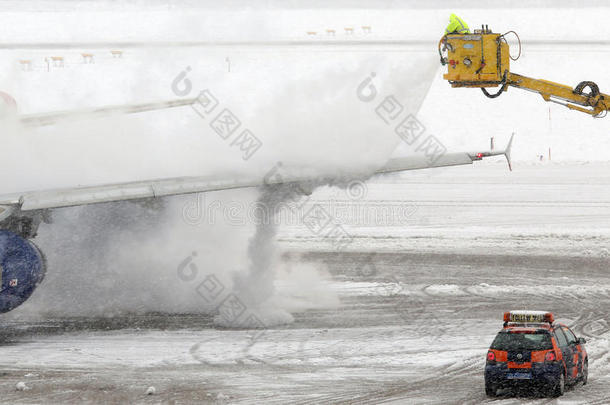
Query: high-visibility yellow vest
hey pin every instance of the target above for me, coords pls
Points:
(456, 24)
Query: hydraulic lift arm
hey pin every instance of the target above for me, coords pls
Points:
(595, 103)
(482, 60)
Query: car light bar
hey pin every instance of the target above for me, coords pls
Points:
(528, 317)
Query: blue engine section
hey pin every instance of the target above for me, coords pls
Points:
(22, 268)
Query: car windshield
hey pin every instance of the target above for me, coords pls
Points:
(511, 341)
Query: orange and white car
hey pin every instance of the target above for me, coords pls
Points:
(532, 349)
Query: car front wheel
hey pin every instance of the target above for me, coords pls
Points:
(585, 372)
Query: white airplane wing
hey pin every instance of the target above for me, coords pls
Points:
(39, 200)
(37, 120)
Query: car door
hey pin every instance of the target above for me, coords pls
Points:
(577, 357)
(566, 351)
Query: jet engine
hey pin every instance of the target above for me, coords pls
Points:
(22, 269)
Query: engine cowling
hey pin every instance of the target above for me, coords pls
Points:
(22, 269)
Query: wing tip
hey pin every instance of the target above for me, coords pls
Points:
(507, 152)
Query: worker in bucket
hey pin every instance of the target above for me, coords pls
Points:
(456, 26)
